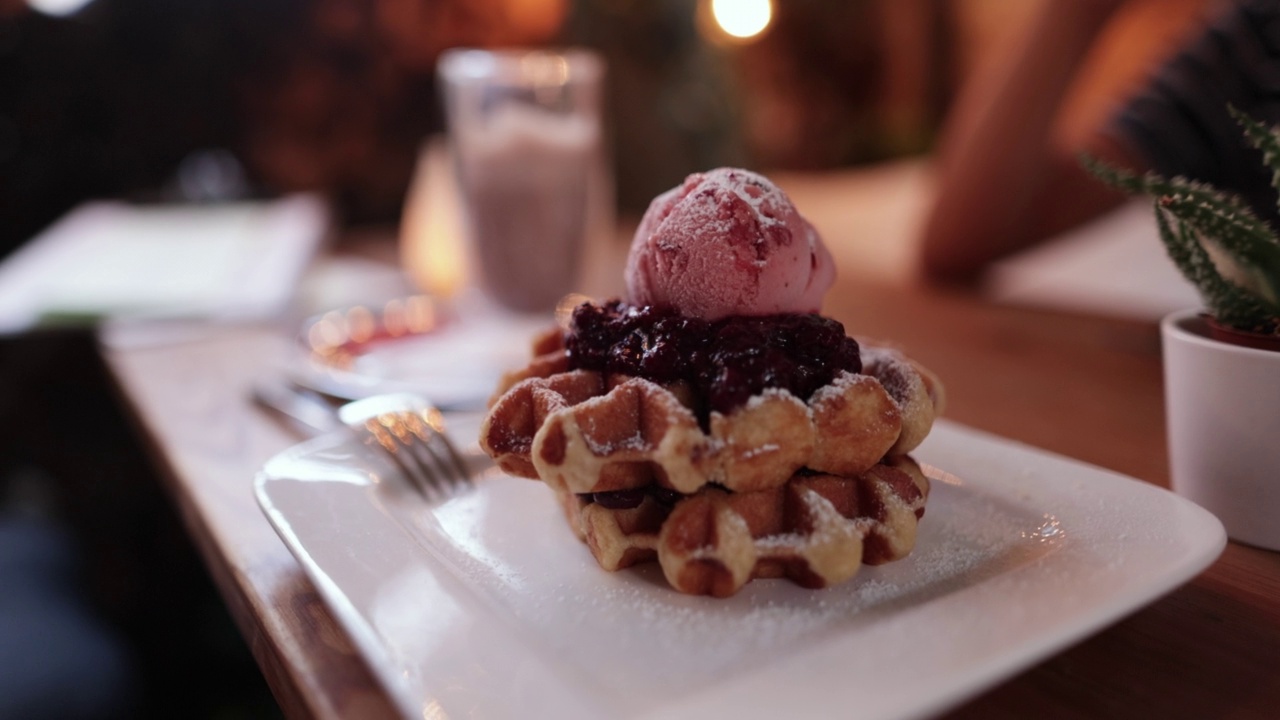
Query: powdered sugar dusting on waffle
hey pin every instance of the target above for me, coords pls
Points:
(766, 394)
(891, 368)
(634, 443)
(762, 450)
(841, 383)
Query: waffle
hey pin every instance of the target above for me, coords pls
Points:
(779, 487)
(584, 431)
(815, 530)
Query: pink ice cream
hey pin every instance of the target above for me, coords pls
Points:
(728, 242)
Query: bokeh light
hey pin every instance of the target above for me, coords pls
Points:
(58, 8)
(742, 19)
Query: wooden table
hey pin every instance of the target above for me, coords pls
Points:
(1088, 388)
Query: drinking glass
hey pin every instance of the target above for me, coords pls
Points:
(526, 138)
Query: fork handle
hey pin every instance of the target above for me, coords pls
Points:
(304, 407)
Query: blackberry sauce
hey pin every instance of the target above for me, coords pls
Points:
(725, 361)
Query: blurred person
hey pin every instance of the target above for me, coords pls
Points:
(1009, 174)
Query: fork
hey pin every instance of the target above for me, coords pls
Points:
(411, 432)
(402, 425)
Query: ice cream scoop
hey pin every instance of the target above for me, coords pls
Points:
(727, 242)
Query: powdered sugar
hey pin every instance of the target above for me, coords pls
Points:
(633, 443)
(892, 370)
(769, 393)
(837, 387)
(764, 449)
(727, 242)
(768, 202)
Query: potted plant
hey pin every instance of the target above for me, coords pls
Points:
(1222, 363)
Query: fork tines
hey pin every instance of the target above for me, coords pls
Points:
(424, 454)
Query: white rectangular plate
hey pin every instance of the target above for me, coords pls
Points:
(487, 606)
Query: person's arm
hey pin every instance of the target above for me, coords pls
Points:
(1002, 183)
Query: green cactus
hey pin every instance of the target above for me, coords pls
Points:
(1218, 243)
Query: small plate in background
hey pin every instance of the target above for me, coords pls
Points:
(413, 344)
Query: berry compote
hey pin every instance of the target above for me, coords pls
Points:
(725, 361)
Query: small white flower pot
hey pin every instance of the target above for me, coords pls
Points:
(1223, 409)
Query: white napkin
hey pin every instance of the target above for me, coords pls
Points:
(1114, 266)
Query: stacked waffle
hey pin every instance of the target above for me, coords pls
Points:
(715, 422)
(776, 488)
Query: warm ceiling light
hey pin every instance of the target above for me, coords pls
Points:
(742, 19)
(58, 8)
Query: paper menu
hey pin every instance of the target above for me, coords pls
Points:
(114, 260)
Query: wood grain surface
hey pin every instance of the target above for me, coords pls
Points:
(1084, 387)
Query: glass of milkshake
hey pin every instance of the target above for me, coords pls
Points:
(525, 130)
